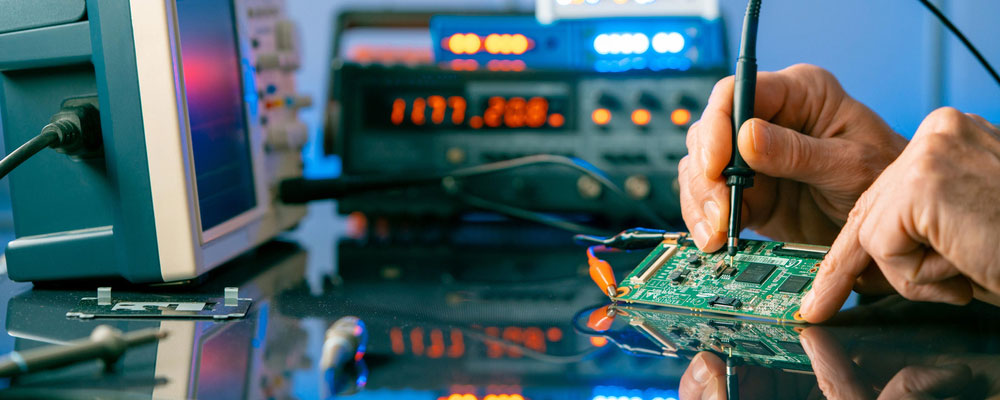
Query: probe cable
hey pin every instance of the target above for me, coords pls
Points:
(573, 163)
(961, 37)
(301, 190)
(74, 130)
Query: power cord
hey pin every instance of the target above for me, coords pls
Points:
(75, 130)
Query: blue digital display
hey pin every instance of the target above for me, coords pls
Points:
(220, 140)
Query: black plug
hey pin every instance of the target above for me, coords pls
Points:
(75, 131)
(78, 128)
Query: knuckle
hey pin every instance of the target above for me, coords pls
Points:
(683, 167)
(722, 84)
(813, 71)
(691, 139)
(928, 172)
(907, 289)
(944, 121)
(906, 376)
(860, 208)
(947, 114)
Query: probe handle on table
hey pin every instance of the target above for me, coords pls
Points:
(105, 342)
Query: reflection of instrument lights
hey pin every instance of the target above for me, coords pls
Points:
(341, 362)
(500, 342)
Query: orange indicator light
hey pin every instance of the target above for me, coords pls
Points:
(457, 109)
(598, 341)
(556, 120)
(438, 108)
(476, 122)
(641, 116)
(601, 116)
(680, 116)
(419, 106)
(468, 43)
(506, 43)
(554, 334)
(492, 43)
(398, 111)
(396, 338)
(492, 118)
(518, 44)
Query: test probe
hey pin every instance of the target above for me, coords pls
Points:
(738, 174)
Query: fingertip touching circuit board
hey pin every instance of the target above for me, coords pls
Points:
(766, 279)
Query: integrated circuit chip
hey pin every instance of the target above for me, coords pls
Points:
(794, 284)
(694, 260)
(755, 273)
(725, 302)
(792, 347)
(755, 347)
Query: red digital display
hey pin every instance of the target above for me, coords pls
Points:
(490, 113)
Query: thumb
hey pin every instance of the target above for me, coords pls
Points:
(785, 153)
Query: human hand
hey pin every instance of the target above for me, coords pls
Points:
(814, 148)
(931, 221)
(839, 376)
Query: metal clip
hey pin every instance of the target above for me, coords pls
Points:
(104, 296)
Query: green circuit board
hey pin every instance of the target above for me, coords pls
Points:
(766, 279)
(752, 342)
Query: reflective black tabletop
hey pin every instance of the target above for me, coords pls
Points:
(488, 310)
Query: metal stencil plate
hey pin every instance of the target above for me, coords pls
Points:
(160, 306)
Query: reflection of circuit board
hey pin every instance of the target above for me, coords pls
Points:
(767, 280)
(752, 342)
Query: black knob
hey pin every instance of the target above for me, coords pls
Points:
(687, 102)
(649, 101)
(609, 102)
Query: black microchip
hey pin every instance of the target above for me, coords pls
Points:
(725, 302)
(794, 284)
(792, 347)
(694, 260)
(755, 347)
(678, 275)
(755, 273)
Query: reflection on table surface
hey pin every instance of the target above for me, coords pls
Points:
(488, 312)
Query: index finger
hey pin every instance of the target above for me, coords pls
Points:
(841, 267)
(835, 372)
(775, 101)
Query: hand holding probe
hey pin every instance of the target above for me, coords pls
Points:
(738, 174)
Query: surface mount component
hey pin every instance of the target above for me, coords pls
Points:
(751, 342)
(762, 282)
(162, 307)
(794, 284)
